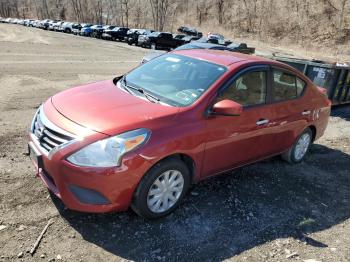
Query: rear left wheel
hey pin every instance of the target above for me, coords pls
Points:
(300, 148)
(162, 189)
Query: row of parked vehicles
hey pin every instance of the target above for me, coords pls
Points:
(134, 36)
(332, 76)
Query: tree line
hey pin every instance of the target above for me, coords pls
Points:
(302, 20)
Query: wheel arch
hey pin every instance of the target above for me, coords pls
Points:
(314, 131)
(188, 160)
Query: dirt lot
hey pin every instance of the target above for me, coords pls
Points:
(269, 211)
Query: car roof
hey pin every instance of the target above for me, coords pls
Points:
(206, 45)
(195, 45)
(220, 57)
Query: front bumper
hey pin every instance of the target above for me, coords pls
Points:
(106, 36)
(84, 33)
(86, 189)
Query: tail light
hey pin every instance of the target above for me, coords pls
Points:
(323, 91)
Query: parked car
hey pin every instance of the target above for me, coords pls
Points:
(179, 36)
(57, 26)
(161, 40)
(143, 38)
(216, 38)
(52, 23)
(44, 24)
(66, 27)
(140, 140)
(242, 48)
(132, 36)
(189, 31)
(86, 30)
(117, 33)
(27, 22)
(192, 45)
(96, 31)
(76, 28)
(188, 39)
(33, 23)
(109, 27)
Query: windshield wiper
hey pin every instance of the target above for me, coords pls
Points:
(125, 86)
(150, 97)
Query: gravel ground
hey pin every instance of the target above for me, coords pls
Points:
(270, 211)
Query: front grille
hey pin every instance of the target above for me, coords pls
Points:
(48, 137)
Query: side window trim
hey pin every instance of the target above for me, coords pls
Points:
(235, 76)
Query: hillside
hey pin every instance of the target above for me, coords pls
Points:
(310, 28)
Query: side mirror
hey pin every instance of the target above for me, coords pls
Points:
(227, 108)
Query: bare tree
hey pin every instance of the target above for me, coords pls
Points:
(298, 20)
(159, 9)
(221, 9)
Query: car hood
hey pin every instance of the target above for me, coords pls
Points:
(106, 108)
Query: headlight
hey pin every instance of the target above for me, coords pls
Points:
(109, 152)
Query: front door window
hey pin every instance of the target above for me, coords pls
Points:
(249, 89)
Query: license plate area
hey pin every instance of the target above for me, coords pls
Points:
(35, 156)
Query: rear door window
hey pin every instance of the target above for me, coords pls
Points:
(286, 86)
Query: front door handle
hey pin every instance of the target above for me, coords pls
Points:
(306, 112)
(261, 122)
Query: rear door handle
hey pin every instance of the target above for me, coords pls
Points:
(262, 122)
(306, 112)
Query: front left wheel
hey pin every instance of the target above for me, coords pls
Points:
(162, 189)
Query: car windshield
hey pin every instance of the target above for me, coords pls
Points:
(233, 45)
(175, 79)
(155, 34)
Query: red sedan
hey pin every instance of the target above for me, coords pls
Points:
(140, 140)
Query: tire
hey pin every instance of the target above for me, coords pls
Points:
(300, 148)
(146, 204)
(154, 46)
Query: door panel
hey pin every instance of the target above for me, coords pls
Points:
(235, 140)
(262, 130)
(290, 111)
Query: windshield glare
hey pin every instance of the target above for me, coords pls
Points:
(175, 79)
